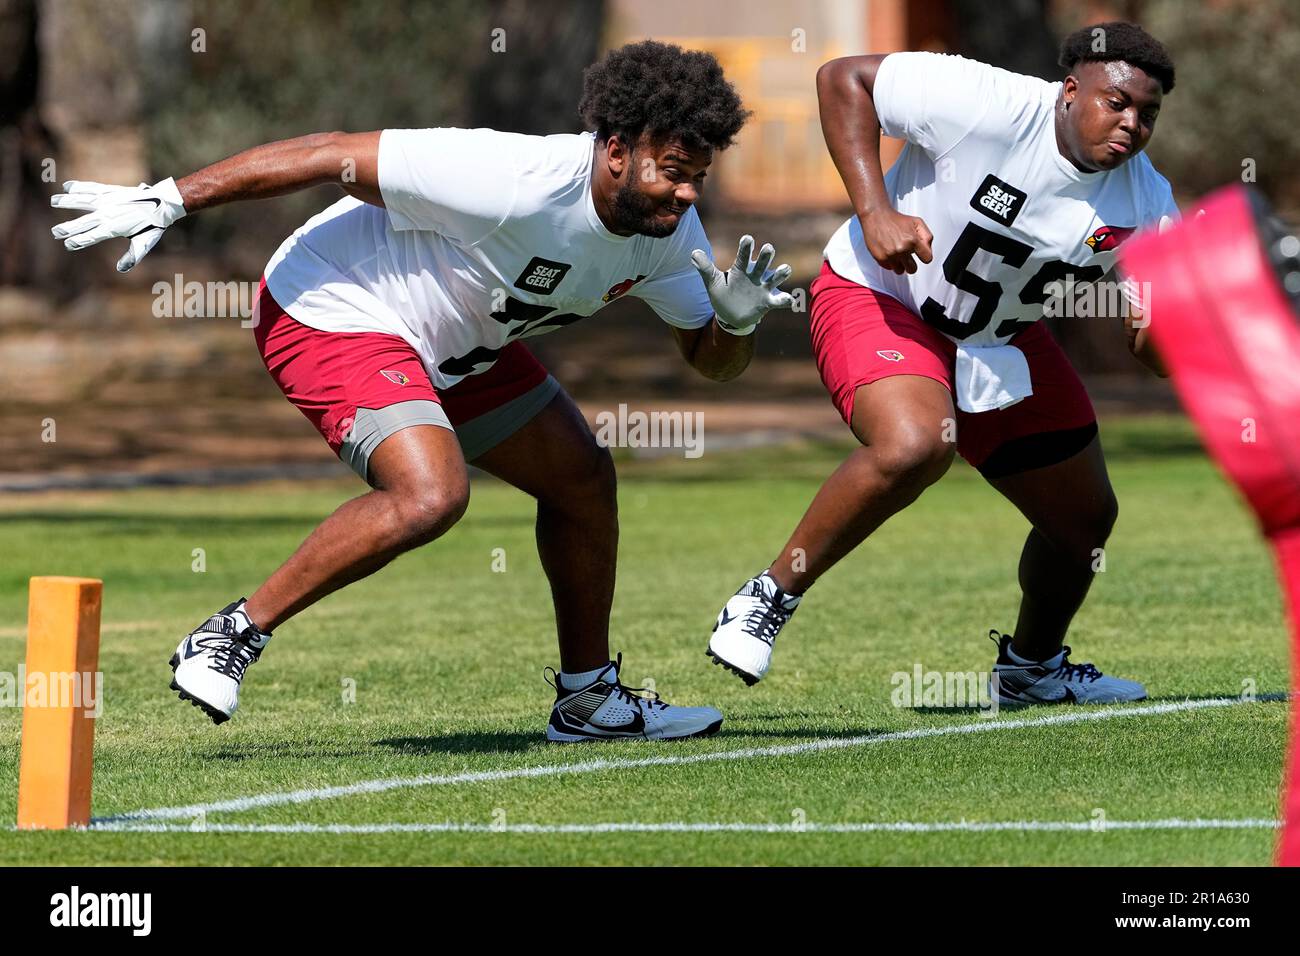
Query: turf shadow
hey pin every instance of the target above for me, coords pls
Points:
(506, 741)
(489, 741)
(281, 750)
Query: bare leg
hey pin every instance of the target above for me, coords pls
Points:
(555, 459)
(421, 489)
(1072, 509)
(901, 423)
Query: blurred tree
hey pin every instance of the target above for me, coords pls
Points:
(1013, 34)
(221, 77)
(152, 88)
(1228, 117)
(531, 80)
(1231, 113)
(27, 253)
(226, 76)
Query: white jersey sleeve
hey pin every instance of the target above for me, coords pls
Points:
(680, 299)
(1166, 210)
(678, 294)
(457, 182)
(935, 100)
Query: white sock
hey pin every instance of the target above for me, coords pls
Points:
(771, 589)
(1053, 661)
(243, 621)
(583, 678)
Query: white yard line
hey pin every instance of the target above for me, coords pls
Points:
(241, 804)
(970, 826)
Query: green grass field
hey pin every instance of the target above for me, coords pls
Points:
(447, 654)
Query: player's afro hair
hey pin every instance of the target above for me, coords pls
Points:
(663, 90)
(1118, 40)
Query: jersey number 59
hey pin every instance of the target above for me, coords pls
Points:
(956, 269)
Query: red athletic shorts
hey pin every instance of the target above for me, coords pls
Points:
(328, 376)
(860, 336)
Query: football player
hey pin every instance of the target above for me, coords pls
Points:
(925, 322)
(394, 321)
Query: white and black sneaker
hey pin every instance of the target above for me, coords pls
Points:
(748, 625)
(606, 710)
(1055, 680)
(210, 661)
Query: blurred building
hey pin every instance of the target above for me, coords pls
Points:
(772, 53)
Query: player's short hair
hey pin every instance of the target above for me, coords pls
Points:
(1118, 40)
(663, 90)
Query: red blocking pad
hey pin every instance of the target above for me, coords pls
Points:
(1286, 546)
(1231, 342)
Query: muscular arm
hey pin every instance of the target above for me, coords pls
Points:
(845, 88)
(350, 160)
(852, 128)
(714, 353)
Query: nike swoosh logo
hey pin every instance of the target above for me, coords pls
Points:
(634, 728)
(726, 618)
(189, 642)
(1068, 697)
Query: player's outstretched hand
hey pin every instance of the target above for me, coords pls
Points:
(893, 239)
(138, 213)
(743, 294)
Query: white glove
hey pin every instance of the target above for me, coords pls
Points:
(139, 213)
(743, 294)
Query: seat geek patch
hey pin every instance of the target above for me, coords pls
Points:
(999, 201)
(542, 275)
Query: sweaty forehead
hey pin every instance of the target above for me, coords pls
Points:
(1133, 80)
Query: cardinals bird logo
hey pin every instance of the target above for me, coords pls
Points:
(1109, 237)
(397, 378)
(617, 290)
(891, 355)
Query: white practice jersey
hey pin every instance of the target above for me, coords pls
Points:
(485, 237)
(1010, 215)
